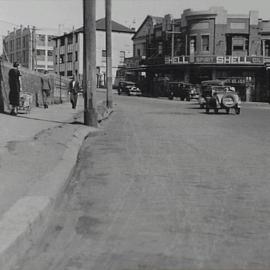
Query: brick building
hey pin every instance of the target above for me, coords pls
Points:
(32, 47)
(203, 45)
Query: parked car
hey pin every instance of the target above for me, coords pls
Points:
(181, 90)
(129, 88)
(224, 97)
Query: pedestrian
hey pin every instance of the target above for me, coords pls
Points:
(45, 88)
(74, 88)
(15, 87)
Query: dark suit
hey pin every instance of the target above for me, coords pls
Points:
(74, 88)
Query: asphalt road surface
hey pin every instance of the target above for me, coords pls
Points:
(165, 186)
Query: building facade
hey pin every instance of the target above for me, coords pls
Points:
(68, 58)
(205, 45)
(31, 47)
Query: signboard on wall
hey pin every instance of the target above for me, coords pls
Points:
(213, 59)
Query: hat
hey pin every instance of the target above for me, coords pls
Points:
(16, 64)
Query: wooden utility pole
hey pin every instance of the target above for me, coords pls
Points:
(109, 52)
(89, 62)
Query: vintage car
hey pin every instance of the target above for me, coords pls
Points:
(182, 90)
(224, 97)
(207, 90)
(129, 88)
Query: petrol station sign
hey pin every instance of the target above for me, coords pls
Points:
(213, 59)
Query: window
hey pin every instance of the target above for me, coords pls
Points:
(76, 56)
(138, 52)
(192, 47)
(69, 73)
(18, 43)
(62, 41)
(160, 48)
(40, 40)
(62, 73)
(50, 40)
(103, 54)
(122, 57)
(24, 42)
(238, 44)
(69, 57)
(205, 43)
(50, 55)
(267, 48)
(41, 52)
(11, 45)
(62, 58)
(70, 39)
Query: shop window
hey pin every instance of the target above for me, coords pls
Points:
(205, 43)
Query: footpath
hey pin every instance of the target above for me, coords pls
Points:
(37, 154)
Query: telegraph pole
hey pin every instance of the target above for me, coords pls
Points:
(89, 62)
(109, 52)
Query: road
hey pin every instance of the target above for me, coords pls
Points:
(165, 186)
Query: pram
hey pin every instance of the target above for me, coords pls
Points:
(26, 99)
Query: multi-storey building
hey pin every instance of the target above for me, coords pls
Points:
(32, 47)
(204, 45)
(68, 58)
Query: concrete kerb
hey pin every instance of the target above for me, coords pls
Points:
(29, 216)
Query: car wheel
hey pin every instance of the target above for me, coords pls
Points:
(237, 110)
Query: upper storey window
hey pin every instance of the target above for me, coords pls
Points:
(205, 43)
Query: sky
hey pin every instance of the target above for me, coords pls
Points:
(64, 14)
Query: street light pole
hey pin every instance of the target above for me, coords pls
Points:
(109, 52)
(89, 62)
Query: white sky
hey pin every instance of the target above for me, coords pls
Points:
(131, 13)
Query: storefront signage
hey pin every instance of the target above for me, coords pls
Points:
(239, 60)
(242, 60)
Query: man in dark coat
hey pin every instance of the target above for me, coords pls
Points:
(73, 89)
(15, 88)
(45, 88)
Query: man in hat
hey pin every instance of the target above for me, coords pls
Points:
(74, 88)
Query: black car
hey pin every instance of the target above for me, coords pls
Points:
(181, 90)
(129, 88)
